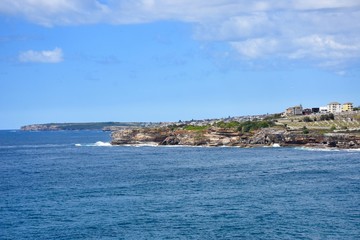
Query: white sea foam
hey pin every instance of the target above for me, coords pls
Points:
(97, 144)
(150, 144)
(327, 149)
(352, 150)
(154, 144)
(318, 149)
(276, 145)
(102, 144)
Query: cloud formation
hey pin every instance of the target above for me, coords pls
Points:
(321, 31)
(54, 56)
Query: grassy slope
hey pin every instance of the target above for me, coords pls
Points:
(348, 121)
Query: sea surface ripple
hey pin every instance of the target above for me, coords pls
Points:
(72, 185)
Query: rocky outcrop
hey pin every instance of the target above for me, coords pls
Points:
(288, 138)
(165, 136)
(228, 137)
(139, 136)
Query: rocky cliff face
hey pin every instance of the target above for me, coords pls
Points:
(288, 138)
(226, 137)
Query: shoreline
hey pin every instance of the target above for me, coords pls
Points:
(155, 145)
(217, 137)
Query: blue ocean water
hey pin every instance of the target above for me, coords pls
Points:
(68, 185)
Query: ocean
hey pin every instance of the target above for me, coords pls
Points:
(74, 185)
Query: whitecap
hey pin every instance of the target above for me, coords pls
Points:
(149, 144)
(102, 144)
(97, 144)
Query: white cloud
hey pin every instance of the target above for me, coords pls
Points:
(54, 56)
(327, 48)
(324, 4)
(288, 29)
(255, 48)
(56, 12)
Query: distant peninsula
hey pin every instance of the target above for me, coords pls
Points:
(105, 126)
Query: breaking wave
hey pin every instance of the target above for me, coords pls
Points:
(97, 144)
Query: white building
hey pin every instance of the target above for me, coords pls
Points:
(334, 107)
(323, 109)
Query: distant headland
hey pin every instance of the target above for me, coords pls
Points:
(105, 126)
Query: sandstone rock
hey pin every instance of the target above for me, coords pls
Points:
(226, 137)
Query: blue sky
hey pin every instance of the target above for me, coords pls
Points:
(158, 60)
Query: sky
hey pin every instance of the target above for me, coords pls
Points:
(162, 60)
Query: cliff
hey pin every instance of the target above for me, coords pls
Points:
(230, 137)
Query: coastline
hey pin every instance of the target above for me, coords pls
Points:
(217, 137)
(298, 147)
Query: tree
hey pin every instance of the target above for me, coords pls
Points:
(307, 119)
(327, 117)
(305, 130)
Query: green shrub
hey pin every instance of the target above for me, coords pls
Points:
(307, 119)
(195, 128)
(232, 124)
(327, 117)
(254, 125)
(305, 130)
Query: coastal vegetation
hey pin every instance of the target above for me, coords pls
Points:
(249, 126)
(195, 128)
(305, 130)
(327, 117)
(246, 126)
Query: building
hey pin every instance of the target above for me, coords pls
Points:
(323, 109)
(307, 111)
(292, 111)
(347, 107)
(315, 110)
(334, 107)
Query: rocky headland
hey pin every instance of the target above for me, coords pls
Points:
(214, 136)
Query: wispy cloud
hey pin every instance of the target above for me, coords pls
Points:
(54, 56)
(56, 12)
(320, 31)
